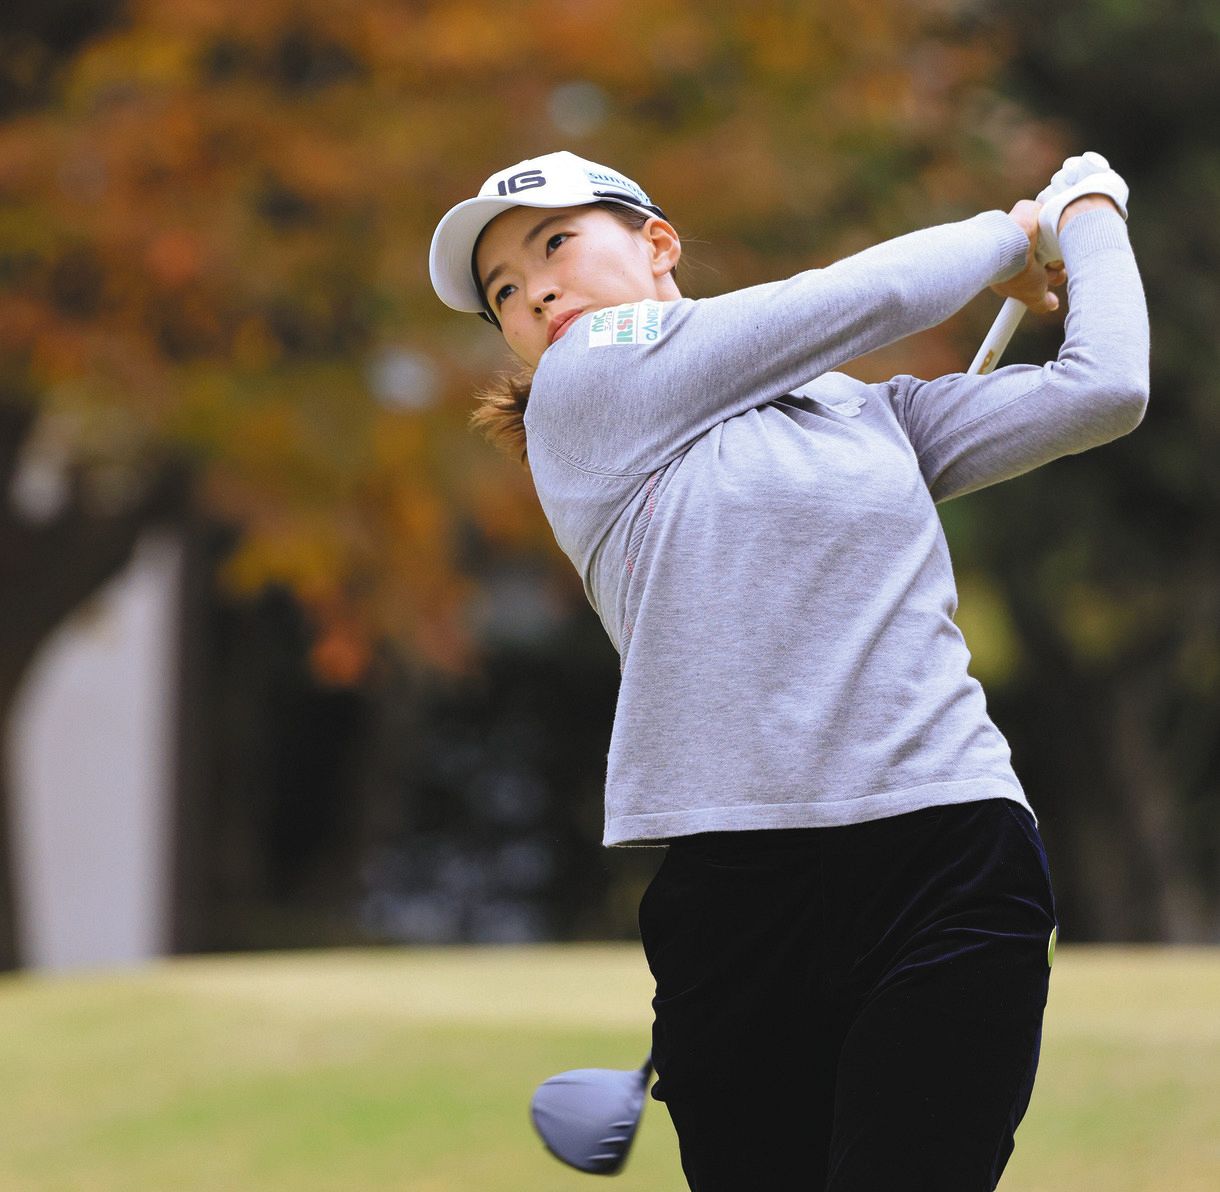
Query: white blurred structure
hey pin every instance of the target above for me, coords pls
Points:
(92, 743)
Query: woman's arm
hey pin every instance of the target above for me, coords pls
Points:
(972, 431)
(624, 395)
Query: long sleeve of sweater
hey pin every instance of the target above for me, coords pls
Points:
(973, 431)
(625, 391)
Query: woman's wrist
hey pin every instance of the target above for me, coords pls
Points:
(1086, 203)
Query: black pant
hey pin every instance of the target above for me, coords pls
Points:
(853, 1009)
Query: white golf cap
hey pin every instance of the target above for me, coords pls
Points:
(554, 180)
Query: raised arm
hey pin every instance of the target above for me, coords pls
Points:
(624, 394)
(972, 431)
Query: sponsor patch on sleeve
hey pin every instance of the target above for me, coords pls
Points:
(634, 323)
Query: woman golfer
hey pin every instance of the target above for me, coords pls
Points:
(852, 925)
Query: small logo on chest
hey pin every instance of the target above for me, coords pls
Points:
(634, 323)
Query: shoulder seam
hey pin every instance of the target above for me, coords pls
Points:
(579, 465)
(966, 426)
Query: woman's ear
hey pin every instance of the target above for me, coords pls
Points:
(664, 245)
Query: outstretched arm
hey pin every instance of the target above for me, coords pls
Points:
(627, 403)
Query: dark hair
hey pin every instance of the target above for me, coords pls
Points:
(500, 413)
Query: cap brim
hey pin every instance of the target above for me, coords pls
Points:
(452, 245)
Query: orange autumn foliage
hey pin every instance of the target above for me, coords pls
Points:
(215, 239)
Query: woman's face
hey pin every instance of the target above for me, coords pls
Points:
(541, 268)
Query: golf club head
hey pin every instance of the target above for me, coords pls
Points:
(588, 1117)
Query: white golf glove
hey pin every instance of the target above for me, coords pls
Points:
(1089, 174)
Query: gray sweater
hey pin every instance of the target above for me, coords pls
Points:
(759, 535)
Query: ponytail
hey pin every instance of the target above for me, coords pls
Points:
(500, 413)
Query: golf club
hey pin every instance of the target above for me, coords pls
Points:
(1011, 313)
(587, 1118)
(996, 340)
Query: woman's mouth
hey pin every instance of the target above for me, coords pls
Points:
(560, 324)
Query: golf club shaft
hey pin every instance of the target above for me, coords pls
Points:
(992, 347)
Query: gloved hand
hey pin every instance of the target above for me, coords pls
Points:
(1089, 174)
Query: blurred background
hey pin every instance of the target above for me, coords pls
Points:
(288, 657)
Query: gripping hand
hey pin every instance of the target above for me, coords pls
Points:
(1089, 174)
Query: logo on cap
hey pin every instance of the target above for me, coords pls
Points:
(523, 181)
(618, 180)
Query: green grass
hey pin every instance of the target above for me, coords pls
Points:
(412, 1070)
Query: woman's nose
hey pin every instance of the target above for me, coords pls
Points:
(543, 299)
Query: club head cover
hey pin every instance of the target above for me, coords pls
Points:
(587, 1118)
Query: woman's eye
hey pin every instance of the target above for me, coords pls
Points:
(555, 241)
(502, 293)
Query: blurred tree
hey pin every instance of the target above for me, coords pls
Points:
(214, 219)
(68, 524)
(37, 40)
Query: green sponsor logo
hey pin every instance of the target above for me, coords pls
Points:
(632, 323)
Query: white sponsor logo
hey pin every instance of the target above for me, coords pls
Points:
(605, 176)
(635, 323)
